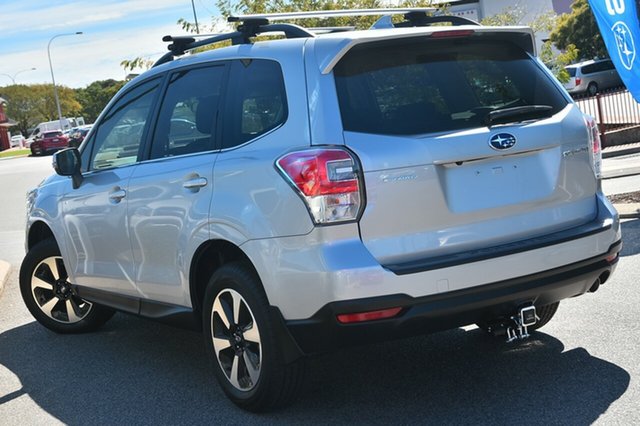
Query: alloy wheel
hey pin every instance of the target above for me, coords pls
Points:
(53, 293)
(236, 339)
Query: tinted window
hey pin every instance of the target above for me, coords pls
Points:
(51, 134)
(188, 116)
(589, 69)
(413, 86)
(257, 101)
(571, 71)
(118, 137)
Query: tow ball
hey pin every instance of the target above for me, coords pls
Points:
(525, 318)
(516, 326)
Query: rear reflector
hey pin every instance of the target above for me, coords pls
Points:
(595, 148)
(368, 316)
(611, 258)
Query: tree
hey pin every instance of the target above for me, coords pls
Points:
(95, 97)
(136, 63)
(32, 104)
(580, 29)
(542, 23)
(556, 63)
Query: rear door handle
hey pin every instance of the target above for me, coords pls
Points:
(117, 195)
(195, 183)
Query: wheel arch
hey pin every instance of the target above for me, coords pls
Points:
(210, 256)
(38, 232)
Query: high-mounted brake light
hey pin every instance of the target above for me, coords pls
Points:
(452, 33)
(328, 180)
(595, 148)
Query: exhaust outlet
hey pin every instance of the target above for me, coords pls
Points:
(595, 286)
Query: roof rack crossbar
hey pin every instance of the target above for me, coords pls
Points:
(249, 28)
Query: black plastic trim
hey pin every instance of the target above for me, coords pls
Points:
(601, 223)
(322, 332)
(179, 316)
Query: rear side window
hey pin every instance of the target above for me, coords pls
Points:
(257, 101)
(417, 86)
(189, 112)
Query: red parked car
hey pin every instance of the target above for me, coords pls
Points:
(49, 142)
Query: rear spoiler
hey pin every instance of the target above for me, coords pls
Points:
(336, 48)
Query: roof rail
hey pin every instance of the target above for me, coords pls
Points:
(330, 14)
(414, 16)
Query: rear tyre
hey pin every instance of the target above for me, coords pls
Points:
(244, 349)
(51, 298)
(592, 89)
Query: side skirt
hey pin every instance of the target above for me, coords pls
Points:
(179, 316)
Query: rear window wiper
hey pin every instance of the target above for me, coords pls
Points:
(519, 113)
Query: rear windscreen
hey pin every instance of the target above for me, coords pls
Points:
(419, 86)
(571, 71)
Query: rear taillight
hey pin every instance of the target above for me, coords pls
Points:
(329, 181)
(578, 81)
(595, 149)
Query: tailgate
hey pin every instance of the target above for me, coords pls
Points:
(439, 178)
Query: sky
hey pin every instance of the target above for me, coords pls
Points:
(113, 30)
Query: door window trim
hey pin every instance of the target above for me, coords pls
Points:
(90, 145)
(146, 153)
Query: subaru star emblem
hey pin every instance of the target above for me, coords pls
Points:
(625, 44)
(502, 141)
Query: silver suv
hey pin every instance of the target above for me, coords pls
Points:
(298, 195)
(592, 76)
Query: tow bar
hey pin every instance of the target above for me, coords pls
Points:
(525, 318)
(516, 326)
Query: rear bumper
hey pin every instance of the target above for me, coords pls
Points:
(322, 332)
(303, 274)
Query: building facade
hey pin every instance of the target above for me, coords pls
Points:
(4, 126)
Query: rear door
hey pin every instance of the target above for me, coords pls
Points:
(440, 179)
(170, 192)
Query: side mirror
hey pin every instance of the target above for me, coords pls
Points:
(67, 163)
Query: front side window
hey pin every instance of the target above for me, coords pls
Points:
(257, 100)
(189, 112)
(119, 134)
(417, 86)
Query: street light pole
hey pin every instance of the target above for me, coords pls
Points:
(13, 78)
(53, 79)
(193, 6)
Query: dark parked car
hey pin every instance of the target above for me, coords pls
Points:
(77, 136)
(49, 142)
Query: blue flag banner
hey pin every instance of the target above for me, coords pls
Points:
(618, 23)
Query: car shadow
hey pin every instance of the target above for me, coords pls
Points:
(140, 372)
(630, 237)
